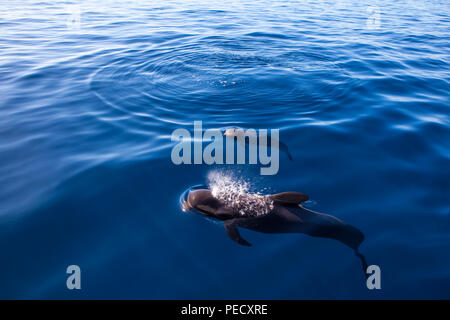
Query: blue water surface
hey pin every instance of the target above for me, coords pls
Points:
(91, 91)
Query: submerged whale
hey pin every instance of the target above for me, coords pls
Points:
(277, 213)
(253, 137)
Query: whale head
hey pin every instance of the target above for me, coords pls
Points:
(238, 132)
(204, 202)
(232, 132)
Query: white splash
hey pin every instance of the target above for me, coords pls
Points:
(235, 194)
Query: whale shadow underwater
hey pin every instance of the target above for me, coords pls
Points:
(284, 213)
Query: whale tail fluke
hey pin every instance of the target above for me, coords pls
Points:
(285, 149)
(363, 262)
(289, 155)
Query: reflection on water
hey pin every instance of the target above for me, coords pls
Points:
(89, 101)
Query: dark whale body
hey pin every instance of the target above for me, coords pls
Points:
(286, 216)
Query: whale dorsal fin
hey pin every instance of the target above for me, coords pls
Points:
(290, 197)
(233, 232)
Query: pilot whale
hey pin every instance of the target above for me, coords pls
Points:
(276, 213)
(253, 137)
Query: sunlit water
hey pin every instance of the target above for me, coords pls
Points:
(88, 101)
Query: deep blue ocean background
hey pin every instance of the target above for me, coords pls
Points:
(88, 102)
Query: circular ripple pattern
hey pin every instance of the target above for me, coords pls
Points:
(222, 82)
(85, 120)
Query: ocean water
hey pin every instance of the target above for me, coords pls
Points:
(91, 91)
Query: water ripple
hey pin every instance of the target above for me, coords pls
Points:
(86, 114)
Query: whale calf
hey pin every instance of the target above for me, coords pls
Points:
(252, 137)
(276, 213)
